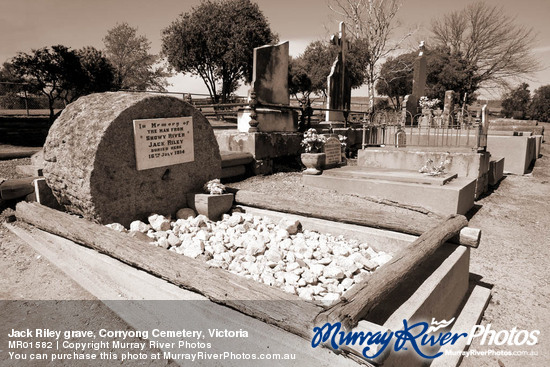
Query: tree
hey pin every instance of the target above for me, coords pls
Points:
(396, 78)
(134, 67)
(308, 72)
(540, 104)
(516, 102)
(444, 72)
(59, 73)
(371, 23)
(448, 71)
(99, 73)
(215, 41)
(490, 40)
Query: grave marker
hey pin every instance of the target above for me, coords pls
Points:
(163, 142)
(419, 85)
(270, 74)
(333, 152)
(94, 166)
(338, 85)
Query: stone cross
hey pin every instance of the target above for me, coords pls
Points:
(337, 82)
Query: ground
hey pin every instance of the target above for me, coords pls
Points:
(513, 258)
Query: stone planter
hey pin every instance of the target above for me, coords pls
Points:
(314, 163)
(213, 206)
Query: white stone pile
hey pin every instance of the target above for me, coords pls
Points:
(312, 265)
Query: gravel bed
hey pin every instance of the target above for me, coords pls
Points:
(315, 266)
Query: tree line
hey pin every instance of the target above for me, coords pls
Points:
(477, 47)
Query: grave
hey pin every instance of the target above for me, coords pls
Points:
(446, 194)
(410, 102)
(429, 275)
(117, 157)
(333, 151)
(436, 285)
(338, 83)
(270, 87)
(504, 124)
(519, 152)
(274, 134)
(464, 162)
(496, 171)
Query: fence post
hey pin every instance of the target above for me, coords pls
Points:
(26, 102)
(253, 115)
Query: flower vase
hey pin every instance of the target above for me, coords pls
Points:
(314, 163)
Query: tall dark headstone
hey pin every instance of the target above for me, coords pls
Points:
(269, 86)
(338, 84)
(419, 85)
(270, 73)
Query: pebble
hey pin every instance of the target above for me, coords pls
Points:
(159, 222)
(314, 266)
(139, 226)
(117, 227)
(185, 213)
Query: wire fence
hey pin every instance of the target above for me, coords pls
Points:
(456, 129)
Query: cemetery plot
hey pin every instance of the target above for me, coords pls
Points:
(290, 312)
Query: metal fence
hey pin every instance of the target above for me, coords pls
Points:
(456, 129)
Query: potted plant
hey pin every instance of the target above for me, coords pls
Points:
(428, 105)
(214, 203)
(313, 158)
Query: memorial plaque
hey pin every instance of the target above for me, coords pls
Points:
(333, 151)
(163, 142)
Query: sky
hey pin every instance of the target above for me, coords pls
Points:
(31, 24)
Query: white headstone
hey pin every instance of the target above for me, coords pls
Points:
(333, 152)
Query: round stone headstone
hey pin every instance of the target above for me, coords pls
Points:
(90, 156)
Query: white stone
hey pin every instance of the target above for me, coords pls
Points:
(347, 283)
(382, 258)
(309, 277)
(173, 240)
(194, 249)
(292, 226)
(273, 255)
(306, 293)
(202, 235)
(333, 271)
(371, 252)
(340, 251)
(185, 213)
(163, 242)
(117, 227)
(289, 288)
(159, 222)
(291, 278)
(139, 226)
(316, 269)
(256, 248)
(292, 266)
